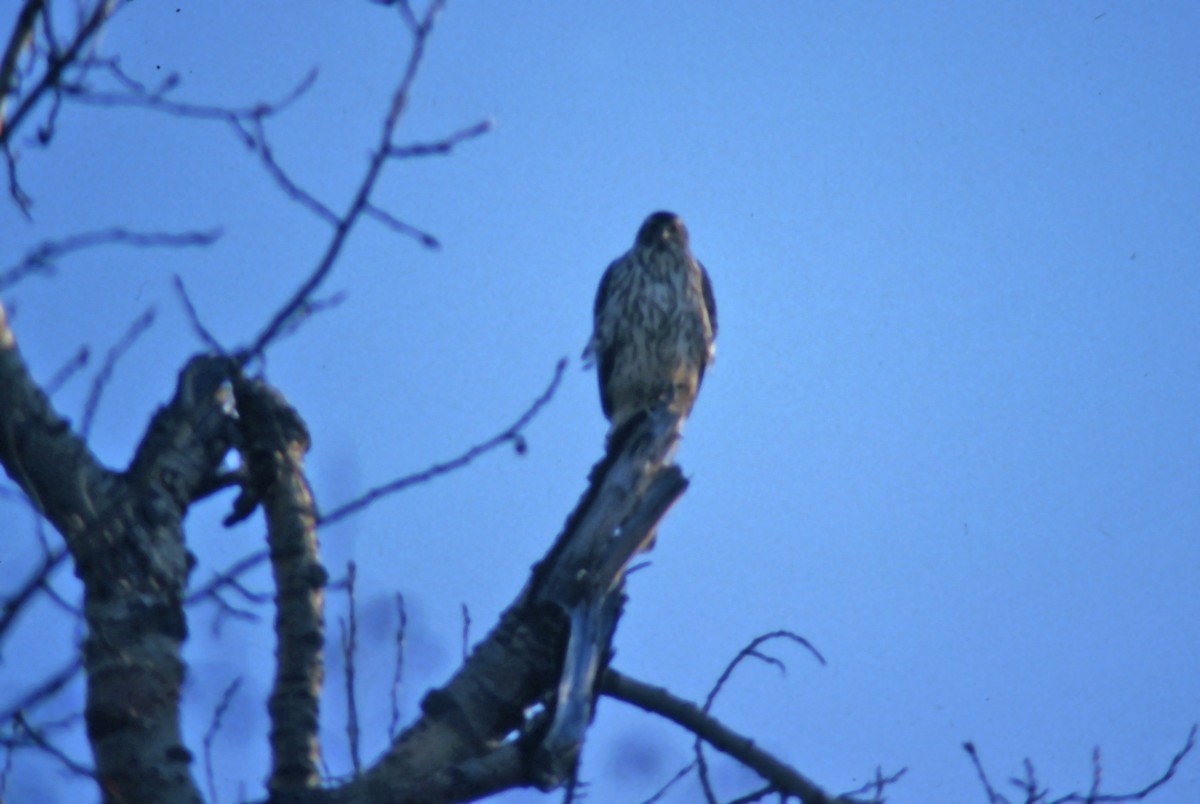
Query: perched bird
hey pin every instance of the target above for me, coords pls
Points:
(655, 321)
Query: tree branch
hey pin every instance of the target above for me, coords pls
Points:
(362, 197)
(41, 258)
(514, 434)
(461, 747)
(53, 466)
(273, 443)
(1037, 794)
(785, 779)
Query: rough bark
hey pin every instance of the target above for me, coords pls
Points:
(484, 731)
(274, 441)
(124, 532)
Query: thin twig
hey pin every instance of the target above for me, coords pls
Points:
(139, 95)
(56, 62)
(310, 309)
(444, 146)
(361, 198)
(679, 776)
(1139, 795)
(41, 258)
(247, 123)
(44, 691)
(135, 331)
(877, 784)
(21, 38)
(227, 577)
(225, 610)
(37, 580)
(290, 187)
(213, 727)
(787, 781)
(512, 434)
(749, 652)
(400, 227)
(45, 745)
(202, 332)
(67, 371)
(1036, 794)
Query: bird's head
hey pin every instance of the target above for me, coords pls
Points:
(661, 229)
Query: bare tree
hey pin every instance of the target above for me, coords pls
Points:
(516, 712)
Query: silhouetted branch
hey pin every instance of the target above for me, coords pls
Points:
(310, 309)
(441, 147)
(20, 40)
(57, 62)
(37, 738)
(22, 199)
(42, 257)
(53, 685)
(877, 785)
(247, 123)
(17, 601)
(400, 227)
(227, 577)
(362, 197)
(785, 780)
(262, 147)
(749, 652)
(135, 93)
(225, 609)
(210, 735)
(67, 371)
(679, 776)
(100, 382)
(1037, 794)
(513, 433)
(198, 327)
(478, 732)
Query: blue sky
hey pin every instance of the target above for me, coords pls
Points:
(950, 437)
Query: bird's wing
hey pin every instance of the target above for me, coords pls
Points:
(710, 301)
(604, 354)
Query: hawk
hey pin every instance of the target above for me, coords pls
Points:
(655, 321)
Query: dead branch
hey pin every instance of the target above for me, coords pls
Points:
(227, 577)
(513, 434)
(50, 687)
(17, 601)
(475, 736)
(210, 735)
(124, 534)
(785, 780)
(38, 739)
(751, 651)
(202, 332)
(57, 62)
(104, 375)
(43, 258)
(442, 147)
(347, 221)
(68, 370)
(1035, 793)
